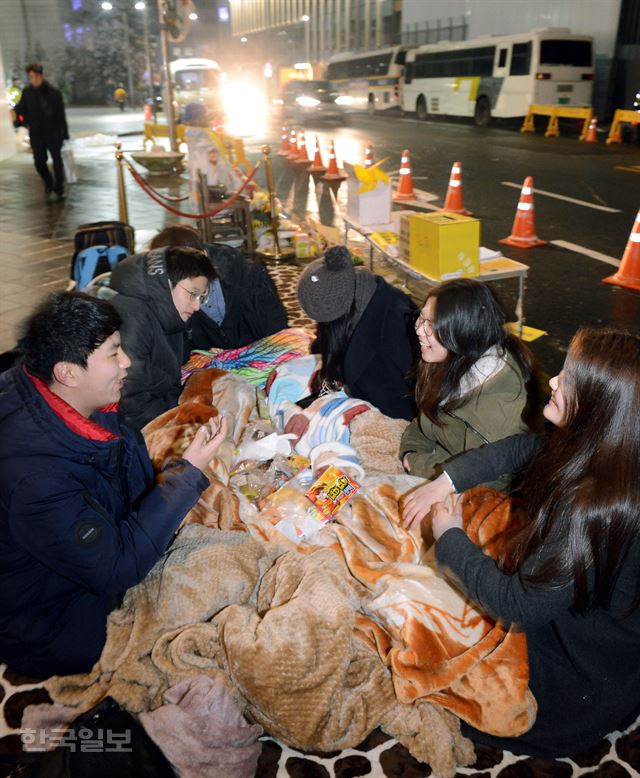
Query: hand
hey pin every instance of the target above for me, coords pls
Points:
(206, 442)
(446, 515)
(418, 504)
(406, 464)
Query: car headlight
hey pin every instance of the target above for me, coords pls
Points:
(307, 102)
(344, 100)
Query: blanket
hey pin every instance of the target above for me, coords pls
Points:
(324, 641)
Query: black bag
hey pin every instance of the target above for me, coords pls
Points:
(102, 234)
(105, 742)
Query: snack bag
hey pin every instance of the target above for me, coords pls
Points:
(331, 491)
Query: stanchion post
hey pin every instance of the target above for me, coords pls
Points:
(123, 211)
(276, 253)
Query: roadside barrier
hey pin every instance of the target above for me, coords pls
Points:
(621, 117)
(628, 275)
(523, 233)
(368, 155)
(405, 184)
(333, 173)
(453, 201)
(555, 112)
(318, 165)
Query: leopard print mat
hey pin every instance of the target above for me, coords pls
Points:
(379, 756)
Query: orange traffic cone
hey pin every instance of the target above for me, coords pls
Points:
(523, 233)
(333, 174)
(591, 133)
(303, 157)
(318, 164)
(293, 145)
(453, 201)
(405, 184)
(629, 273)
(368, 155)
(284, 145)
(148, 113)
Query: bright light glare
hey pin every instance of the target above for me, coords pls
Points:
(245, 109)
(305, 17)
(307, 102)
(344, 100)
(301, 66)
(243, 39)
(107, 6)
(139, 6)
(193, 16)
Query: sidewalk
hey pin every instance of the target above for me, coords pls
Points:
(36, 235)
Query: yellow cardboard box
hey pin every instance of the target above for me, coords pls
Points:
(444, 245)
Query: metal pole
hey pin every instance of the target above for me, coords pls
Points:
(127, 49)
(168, 87)
(147, 55)
(275, 253)
(123, 211)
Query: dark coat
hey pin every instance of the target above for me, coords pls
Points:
(252, 306)
(382, 352)
(153, 336)
(81, 522)
(42, 111)
(584, 669)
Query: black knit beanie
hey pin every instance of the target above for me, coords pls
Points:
(327, 287)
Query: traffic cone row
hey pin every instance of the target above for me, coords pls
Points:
(317, 165)
(453, 200)
(405, 184)
(523, 233)
(293, 145)
(368, 155)
(591, 132)
(333, 172)
(303, 157)
(148, 113)
(629, 273)
(284, 143)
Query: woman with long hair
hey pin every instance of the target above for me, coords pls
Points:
(571, 578)
(474, 380)
(364, 333)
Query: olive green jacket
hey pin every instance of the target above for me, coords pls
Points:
(490, 412)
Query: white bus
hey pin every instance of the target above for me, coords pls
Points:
(196, 80)
(499, 76)
(368, 80)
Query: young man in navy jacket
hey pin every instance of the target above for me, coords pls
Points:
(81, 517)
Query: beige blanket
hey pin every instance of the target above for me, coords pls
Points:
(324, 641)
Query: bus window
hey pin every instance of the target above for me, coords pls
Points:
(565, 52)
(401, 57)
(502, 58)
(520, 59)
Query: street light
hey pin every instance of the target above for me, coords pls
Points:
(307, 36)
(142, 6)
(193, 16)
(107, 7)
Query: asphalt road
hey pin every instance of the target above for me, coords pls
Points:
(590, 197)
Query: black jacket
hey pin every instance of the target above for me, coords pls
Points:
(42, 111)
(153, 336)
(252, 306)
(584, 669)
(382, 352)
(81, 521)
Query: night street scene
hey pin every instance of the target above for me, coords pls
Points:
(320, 388)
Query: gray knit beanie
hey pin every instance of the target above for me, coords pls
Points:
(327, 287)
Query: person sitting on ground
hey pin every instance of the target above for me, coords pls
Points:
(82, 519)
(243, 304)
(158, 293)
(364, 332)
(569, 579)
(472, 380)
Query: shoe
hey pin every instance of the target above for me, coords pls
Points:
(61, 196)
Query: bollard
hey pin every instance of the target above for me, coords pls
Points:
(123, 211)
(275, 253)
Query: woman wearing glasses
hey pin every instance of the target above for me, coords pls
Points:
(158, 293)
(472, 381)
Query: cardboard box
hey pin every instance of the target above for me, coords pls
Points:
(372, 207)
(442, 245)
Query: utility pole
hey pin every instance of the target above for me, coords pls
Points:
(168, 87)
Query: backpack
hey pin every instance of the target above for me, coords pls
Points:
(111, 233)
(94, 261)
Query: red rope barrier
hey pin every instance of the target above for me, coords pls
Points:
(144, 185)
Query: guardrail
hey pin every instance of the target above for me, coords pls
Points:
(555, 112)
(621, 117)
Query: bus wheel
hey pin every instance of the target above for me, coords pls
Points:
(421, 108)
(371, 105)
(482, 116)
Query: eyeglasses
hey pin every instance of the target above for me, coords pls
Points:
(422, 323)
(201, 298)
